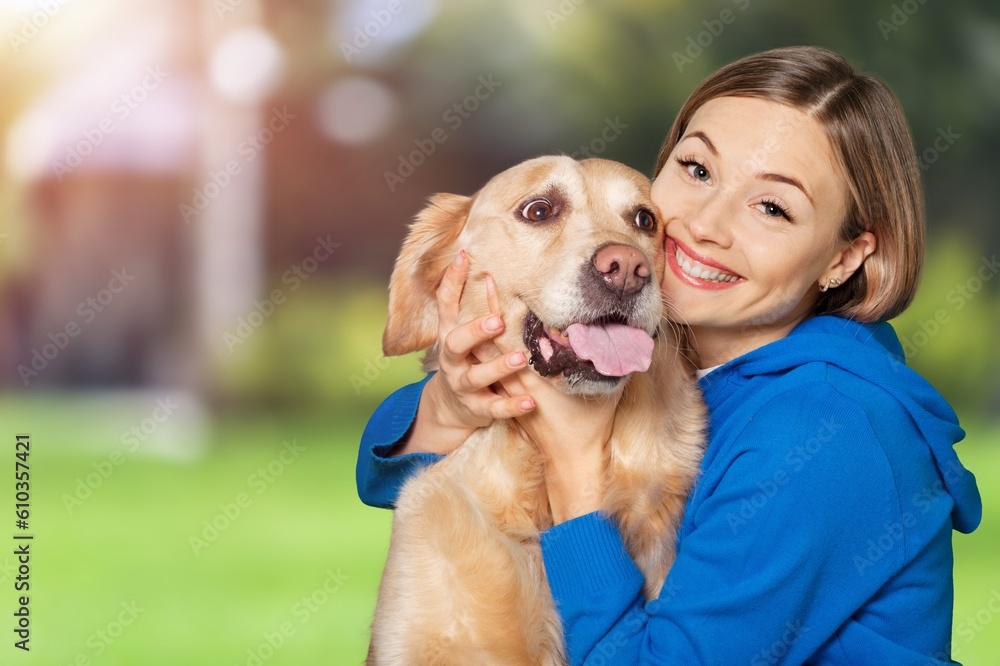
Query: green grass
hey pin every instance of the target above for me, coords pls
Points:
(976, 639)
(303, 556)
(129, 542)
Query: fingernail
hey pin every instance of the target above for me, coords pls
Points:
(490, 287)
(516, 359)
(527, 404)
(494, 324)
(459, 258)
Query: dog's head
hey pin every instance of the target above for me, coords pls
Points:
(575, 250)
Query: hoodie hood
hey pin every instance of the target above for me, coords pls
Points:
(872, 352)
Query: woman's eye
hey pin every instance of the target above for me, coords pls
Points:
(773, 209)
(537, 210)
(644, 220)
(695, 169)
(698, 171)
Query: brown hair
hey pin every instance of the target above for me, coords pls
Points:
(869, 133)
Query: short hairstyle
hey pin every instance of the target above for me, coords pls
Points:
(866, 127)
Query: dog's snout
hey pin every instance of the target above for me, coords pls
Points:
(624, 268)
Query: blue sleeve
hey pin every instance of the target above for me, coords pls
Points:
(767, 568)
(379, 477)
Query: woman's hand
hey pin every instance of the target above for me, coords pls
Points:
(571, 430)
(458, 398)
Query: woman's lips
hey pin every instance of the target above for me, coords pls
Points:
(698, 270)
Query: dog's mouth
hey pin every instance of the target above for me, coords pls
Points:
(605, 349)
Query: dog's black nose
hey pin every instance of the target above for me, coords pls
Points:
(624, 269)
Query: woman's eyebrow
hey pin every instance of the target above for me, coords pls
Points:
(704, 137)
(778, 178)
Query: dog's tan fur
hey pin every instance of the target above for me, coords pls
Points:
(464, 581)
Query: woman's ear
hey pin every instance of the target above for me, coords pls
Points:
(431, 244)
(850, 257)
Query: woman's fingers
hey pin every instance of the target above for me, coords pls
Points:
(461, 340)
(483, 375)
(492, 300)
(449, 292)
(508, 384)
(469, 381)
(498, 407)
(508, 408)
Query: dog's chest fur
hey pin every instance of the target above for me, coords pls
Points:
(467, 534)
(464, 581)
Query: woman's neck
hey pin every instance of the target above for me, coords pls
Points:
(717, 345)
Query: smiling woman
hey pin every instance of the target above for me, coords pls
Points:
(874, 163)
(766, 222)
(790, 194)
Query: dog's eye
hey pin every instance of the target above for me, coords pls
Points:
(537, 210)
(644, 220)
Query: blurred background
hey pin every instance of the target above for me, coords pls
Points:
(200, 203)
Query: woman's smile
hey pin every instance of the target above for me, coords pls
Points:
(698, 270)
(753, 198)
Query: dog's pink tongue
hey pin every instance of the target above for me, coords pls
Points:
(615, 350)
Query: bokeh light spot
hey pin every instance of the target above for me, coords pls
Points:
(356, 110)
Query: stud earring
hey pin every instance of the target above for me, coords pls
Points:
(831, 282)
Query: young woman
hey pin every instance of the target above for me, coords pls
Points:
(820, 528)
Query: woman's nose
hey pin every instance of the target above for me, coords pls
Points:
(709, 220)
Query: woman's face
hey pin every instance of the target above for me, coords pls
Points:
(753, 198)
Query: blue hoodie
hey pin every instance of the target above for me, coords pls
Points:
(818, 532)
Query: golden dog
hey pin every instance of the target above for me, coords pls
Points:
(575, 250)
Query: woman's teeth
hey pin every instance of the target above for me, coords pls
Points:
(701, 271)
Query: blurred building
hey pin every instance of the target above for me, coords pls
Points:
(171, 166)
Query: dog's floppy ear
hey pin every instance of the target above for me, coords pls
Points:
(431, 244)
